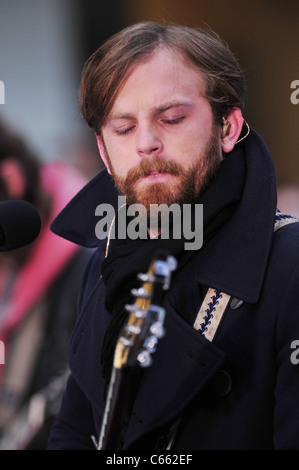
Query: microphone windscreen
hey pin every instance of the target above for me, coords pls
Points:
(20, 224)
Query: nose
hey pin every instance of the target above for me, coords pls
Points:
(148, 142)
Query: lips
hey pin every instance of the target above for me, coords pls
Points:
(154, 174)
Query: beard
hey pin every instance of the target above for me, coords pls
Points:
(185, 185)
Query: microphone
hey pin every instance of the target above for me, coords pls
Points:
(20, 224)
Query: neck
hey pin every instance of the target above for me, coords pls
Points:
(153, 233)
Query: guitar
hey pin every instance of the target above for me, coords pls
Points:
(136, 343)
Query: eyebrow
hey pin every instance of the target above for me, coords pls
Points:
(172, 104)
(120, 116)
(159, 110)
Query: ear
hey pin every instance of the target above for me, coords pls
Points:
(103, 153)
(13, 177)
(234, 128)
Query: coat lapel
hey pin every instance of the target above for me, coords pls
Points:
(182, 365)
(188, 353)
(235, 259)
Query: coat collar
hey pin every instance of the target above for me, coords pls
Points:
(234, 260)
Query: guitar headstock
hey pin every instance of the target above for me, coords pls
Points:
(144, 327)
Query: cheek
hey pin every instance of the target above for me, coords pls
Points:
(118, 157)
(122, 163)
(189, 148)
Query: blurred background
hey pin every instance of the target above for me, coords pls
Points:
(44, 44)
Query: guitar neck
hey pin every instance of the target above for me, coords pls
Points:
(135, 345)
(115, 408)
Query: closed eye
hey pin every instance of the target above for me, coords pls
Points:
(174, 121)
(126, 129)
(123, 131)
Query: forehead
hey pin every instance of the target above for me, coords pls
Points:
(161, 77)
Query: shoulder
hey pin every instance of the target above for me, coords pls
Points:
(286, 241)
(90, 278)
(282, 274)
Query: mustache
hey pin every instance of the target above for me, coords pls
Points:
(154, 164)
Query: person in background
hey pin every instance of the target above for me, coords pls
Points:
(38, 296)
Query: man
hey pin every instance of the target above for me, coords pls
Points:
(166, 103)
(39, 285)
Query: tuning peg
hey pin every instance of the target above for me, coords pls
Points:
(137, 311)
(144, 358)
(172, 263)
(133, 329)
(140, 292)
(150, 343)
(145, 277)
(131, 308)
(157, 330)
(164, 269)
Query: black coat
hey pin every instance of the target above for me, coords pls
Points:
(239, 391)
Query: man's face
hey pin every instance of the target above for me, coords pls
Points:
(160, 142)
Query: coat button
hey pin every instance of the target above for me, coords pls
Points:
(235, 303)
(222, 383)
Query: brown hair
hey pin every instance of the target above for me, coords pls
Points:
(106, 70)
